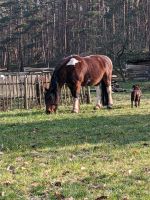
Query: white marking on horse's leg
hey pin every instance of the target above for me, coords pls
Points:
(98, 97)
(76, 105)
(72, 61)
(109, 91)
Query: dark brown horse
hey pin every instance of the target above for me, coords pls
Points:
(76, 71)
(136, 95)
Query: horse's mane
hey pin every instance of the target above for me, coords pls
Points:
(53, 84)
(54, 79)
(64, 62)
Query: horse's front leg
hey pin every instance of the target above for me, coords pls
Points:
(75, 105)
(109, 92)
(131, 103)
(75, 90)
(98, 97)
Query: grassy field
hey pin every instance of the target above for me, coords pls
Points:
(93, 155)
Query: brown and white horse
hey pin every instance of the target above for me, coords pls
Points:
(76, 71)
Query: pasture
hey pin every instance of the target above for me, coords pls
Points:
(96, 154)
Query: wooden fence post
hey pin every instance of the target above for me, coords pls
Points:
(40, 92)
(25, 93)
(10, 91)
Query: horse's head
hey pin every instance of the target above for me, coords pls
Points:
(51, 101)
(136, 87)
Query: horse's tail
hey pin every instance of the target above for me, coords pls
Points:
(104, 94)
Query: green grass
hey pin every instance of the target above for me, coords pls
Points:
(84, 156)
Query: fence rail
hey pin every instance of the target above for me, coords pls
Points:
(138, 72)
(26, 90)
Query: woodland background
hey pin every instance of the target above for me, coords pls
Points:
(40, 32)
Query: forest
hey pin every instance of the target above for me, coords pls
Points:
(39, 33)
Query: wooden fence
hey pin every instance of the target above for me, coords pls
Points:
(26, 90)
(138, 72)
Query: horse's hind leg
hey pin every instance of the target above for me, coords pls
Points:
(98, 97)
(131, 104)
(107, 83)
(139, 102)
(75, 91)
(109, 91)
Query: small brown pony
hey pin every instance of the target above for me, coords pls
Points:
(75, 72)
(135, 95)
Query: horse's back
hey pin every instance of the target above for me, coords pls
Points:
(100, 60)
(87, 61)
(89, 70)
(100, 64)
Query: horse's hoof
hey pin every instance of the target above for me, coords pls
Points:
(97, 107)
(75, 111)
(110, 106)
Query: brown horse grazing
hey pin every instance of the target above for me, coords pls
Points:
(76, 71)
(136, 95)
